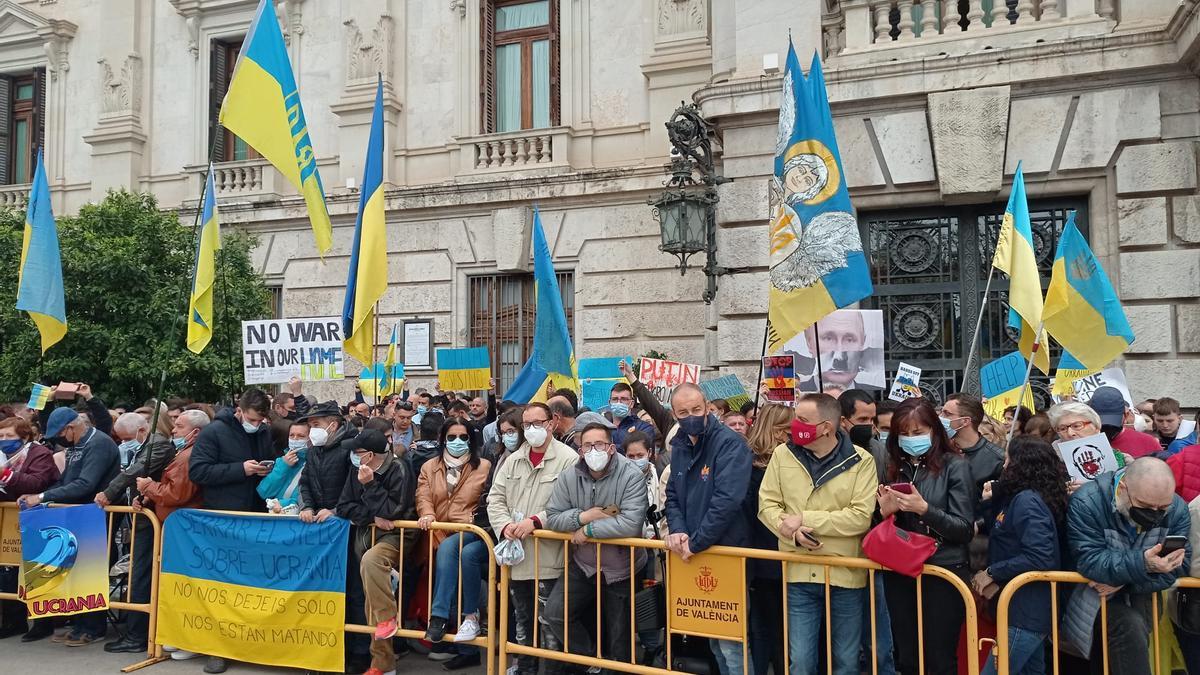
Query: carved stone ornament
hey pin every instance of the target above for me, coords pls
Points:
(459, 6)
(121, 94)
(366, 58)
(680, 18)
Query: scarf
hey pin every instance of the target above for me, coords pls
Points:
(454, 467)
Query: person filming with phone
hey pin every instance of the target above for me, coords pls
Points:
(230, 455)
(817, 496)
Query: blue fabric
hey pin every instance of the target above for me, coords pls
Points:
(885, 661)
(1026, 653)
(628, 424)
(445, 579)
(806, 611)
(1179, 444)
(707, 487)
(274, 484)
(1024, 538)
(729, 656)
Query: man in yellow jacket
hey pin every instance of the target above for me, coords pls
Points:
(817, 496)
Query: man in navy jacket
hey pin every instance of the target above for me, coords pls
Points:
(227, 459)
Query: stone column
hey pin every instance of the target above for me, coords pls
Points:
(118, 140)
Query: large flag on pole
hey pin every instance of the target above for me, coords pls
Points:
(204, 273)
(263, 108)
(1083, 312)
(552, 363)
(40, 277)
(817, 261)
(1015, 257)
(367, 280)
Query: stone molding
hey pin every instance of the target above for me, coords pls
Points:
(121, 94)
(365, 58)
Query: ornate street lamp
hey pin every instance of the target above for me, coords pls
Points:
(686, 210)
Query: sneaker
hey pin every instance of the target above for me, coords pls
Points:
(168, 649)
(461, 661)
(467, 630)
(376, 671)
(82, 640)
(216, 665)
(386, 630)
(436, 630)
(441, 656)
(61, 637)
(181, 654)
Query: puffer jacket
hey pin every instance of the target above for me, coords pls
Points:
(707, 487)
(388, 496)
(951, 515)
(216, 464)
(325, 470)
(520, 487)
(149, 462)
(435, 498)
(623, 485)
(1186, 467)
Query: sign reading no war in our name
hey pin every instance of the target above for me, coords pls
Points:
(276, 350)
(262, 589)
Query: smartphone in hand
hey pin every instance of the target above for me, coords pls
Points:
(809, 536)
(906, 488)
(268, 464)
(1172, 544)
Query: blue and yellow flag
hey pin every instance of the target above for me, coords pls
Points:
(466, 369)
(262, 107)
(379, 380)
(39, 396)
(1016, 257)
(367, 280)
(1069, 370)
(204, 273)
(1082, 310)
(64, 560)
(817, 261)
(390, 385)
(255, 588)
(40, 277)
(553, 360)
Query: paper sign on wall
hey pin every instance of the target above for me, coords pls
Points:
(597, 377)
(904, 386)
(276, 350)
(729, 388)
(780, 374)
(661, 377)
(1087, 457)
(1002, 381)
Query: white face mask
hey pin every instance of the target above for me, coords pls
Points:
(1139, 422)
(318, 436)
(536, 436)
(250, 428)
(596, 460)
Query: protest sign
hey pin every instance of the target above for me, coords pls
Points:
(1109, 377)
(904, 386)
(1002, 381)
(729, 388)
(851, 351)
(64, 560)
(1087, 457)
(707, 595)
(276, 350)
(661, 377)
(10, 537)
(464, 369)
(261, 589)
(597, 377)
(780, 375)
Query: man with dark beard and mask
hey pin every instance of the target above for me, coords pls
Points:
(961, 416)
(858, 421)
(1117, 527)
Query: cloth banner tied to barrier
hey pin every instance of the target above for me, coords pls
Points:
(261, 589)
(64, 560)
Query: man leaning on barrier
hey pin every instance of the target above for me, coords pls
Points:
(1117, 526)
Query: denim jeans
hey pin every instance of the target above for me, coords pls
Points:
(523, 597)
(1026, 653)
(445, 575)
(729, 656)
(881, 649)
(806, 610)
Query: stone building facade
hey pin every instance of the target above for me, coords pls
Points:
(934, 101)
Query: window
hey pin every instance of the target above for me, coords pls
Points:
(226, 147)
(502, 319)
(930, 268)
(22, 125)
(520, 50)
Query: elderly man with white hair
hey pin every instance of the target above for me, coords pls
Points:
(1128, 535)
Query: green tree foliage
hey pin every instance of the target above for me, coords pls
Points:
(127, 270)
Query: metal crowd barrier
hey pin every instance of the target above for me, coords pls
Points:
(154, 653)
(508, 648)
(1054, 579)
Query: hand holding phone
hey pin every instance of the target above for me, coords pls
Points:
(906, 488)
(268, 464)
(1171, 544)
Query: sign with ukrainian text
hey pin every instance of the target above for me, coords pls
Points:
(261, 589)
(64, 560)
(706, 595)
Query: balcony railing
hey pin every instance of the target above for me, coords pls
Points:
(514, 151)
(14, 196)
(252, 179)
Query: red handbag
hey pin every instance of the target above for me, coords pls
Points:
(897, 549)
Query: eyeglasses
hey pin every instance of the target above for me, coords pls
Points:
(621, 400)
(602, 447)
(539, 425)
(1073, 426)
(458, 437)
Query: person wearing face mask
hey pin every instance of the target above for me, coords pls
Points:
(281, 487)
(929, 489)
(817, 496)
(710, 474)
(509, 436)
(449, 490)
(26, 467)
(1116, 423)
(621, 414)
(603, 497)
(961, 416)
(1116, 526)
(327, 462)
(228, 456)
(859, 410)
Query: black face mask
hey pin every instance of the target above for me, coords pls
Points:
(1111, 431)
(861, 435)
(1146, 518)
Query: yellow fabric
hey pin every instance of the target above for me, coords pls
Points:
(1016, 258)
(371, 280)
(464, 380)
(794, 311)
(1076, 325)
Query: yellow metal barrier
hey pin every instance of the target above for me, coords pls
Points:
(1054, 579)
(154, 652)
(784, 558)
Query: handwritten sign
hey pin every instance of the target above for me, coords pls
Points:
(1109, 377)
(780, 374)
(661, 377)
(707, 595)
(905, 386)
(1002, 381)
(597, 377)
(1087, 457)
(276, 350)
(729, 388)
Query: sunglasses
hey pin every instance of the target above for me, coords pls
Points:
(458, 437)
(403, 405)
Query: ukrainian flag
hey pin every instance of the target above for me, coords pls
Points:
(390, 385)
(1082, 310)
(1015, 257)
(204, 274)
(1068, 371)
(40, 277)
(263, 108)
(464, 369)
(817, 260)
(368, 258)
(553, 360)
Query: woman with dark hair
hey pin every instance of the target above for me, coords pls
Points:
(929, 491)
(1030, 501)
(449, 490)
(1018, 416)
(511, 432)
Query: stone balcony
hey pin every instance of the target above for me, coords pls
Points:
(252, 180)
(514, 151)
(14, 196)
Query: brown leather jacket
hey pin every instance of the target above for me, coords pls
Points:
(174, 491)
(434, 497)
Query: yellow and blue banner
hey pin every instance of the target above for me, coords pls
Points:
(390, 384)
(1082, 310)
(64, 560)
(1002, 381)
(1068, 371)
(255, 588)
(39, 396)
(1017, 257)
(368, 275)
(597, 377)
(40, 276)
(262, 107)
(204, 273)
(465, 369)
(381, 380)
(817, 260)
(552, 363)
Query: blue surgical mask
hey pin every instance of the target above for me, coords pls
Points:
(692, 425)
(619, 410)
(510, 440)
(641, 463)
(128, 447)
(916, 445)
(457, 447)
(298, 444)
(883, 436)
(421, 410)
(950, 431)
(417, 418)
(250, 428)
(354, 460)
(179, 443)
(11, 447)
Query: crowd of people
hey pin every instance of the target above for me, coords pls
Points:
(813, 478)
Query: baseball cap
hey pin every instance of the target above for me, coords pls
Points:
(59, 419)
(369, 439)
(1110, 405)
(326, 409)
(584, 419)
